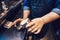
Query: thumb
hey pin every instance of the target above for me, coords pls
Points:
(16, 21)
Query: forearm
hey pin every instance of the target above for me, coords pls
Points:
(26, 14)
(50, 17)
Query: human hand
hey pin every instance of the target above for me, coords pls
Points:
(35, 25)
(21, 22)
(16, 22)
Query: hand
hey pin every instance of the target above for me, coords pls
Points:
(35, 25)
(17, 21)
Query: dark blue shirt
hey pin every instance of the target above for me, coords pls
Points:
(42, 6)
(39, 8)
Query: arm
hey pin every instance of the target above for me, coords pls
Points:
(26, 9)
(50, 17)
(39, 22)
(54, 14)
(26, 14)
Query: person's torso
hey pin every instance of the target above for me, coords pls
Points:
(41, 7)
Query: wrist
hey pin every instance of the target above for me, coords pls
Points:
(43, 20)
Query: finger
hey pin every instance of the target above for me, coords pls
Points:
(18, 20)
(30, 24)
(14, 24)
(38, 31)
(33, 27)
(19, 27)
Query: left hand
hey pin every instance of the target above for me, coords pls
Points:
(35, 25)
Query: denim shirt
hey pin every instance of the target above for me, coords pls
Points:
(39, 8)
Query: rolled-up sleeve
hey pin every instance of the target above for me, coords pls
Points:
(26, 5)
(57, 7)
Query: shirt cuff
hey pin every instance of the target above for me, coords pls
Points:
(25, 8)
(56, 10)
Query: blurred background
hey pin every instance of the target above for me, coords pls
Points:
(10, 10)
